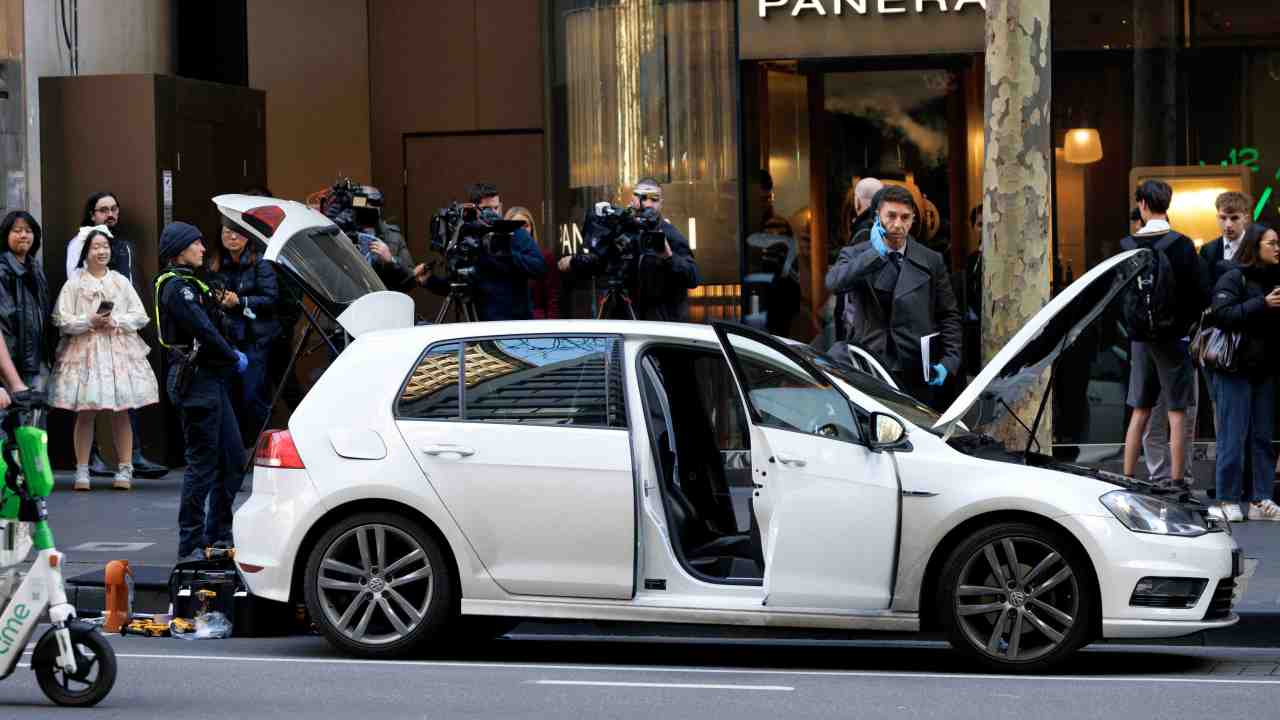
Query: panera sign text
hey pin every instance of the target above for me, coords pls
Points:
(838, 8)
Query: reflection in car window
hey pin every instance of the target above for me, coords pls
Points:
(544, 381)
(785, 395)
(432, 390)
(328, 263)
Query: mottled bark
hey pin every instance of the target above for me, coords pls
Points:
(1019, 154)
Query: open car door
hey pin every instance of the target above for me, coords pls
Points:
(827, 506)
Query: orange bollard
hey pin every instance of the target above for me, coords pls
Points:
(119, 581)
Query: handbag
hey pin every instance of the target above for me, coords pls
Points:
(1214, 348)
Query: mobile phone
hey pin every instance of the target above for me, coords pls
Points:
(104, 308)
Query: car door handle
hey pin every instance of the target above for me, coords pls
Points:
(438, 450)
(790, 461)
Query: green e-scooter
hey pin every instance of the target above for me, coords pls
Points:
(74, 664)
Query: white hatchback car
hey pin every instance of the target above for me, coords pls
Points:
(660, 472)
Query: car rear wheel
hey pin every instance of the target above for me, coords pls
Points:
(377, 586)
(1017, 597)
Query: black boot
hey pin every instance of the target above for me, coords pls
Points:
(97, 466)
(144, 468)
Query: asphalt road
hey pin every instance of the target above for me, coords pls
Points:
(524, 678)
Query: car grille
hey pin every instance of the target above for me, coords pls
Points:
(1220, 606)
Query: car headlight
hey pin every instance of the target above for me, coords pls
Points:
(1147, 514)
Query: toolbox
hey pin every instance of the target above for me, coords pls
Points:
(250, 616)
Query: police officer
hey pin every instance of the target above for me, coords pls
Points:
(201, 363)
(659, 283)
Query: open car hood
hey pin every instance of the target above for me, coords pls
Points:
(321, 259)
(1018, 365)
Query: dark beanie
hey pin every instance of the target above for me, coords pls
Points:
(176, 237)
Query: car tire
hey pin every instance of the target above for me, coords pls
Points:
(1017, 580)
(377, 585)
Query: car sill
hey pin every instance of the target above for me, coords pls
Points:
(801, 618)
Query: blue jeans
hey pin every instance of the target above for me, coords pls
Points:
(1245, 409)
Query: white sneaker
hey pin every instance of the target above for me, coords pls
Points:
(124, 477)
(1264, 510)
(82, 477)
(1232, 509)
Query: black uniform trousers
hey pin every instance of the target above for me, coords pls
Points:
(215, 460)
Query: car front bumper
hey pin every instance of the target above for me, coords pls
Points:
(1122, 557)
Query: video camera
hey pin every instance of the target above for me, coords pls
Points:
(353, 207)
(465, 233)
(621, 235)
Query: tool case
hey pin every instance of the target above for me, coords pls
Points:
(250, 616)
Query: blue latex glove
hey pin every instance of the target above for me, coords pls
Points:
(938, 376)
(242, 362)
(877, 239)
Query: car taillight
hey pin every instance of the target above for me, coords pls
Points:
(276, 450)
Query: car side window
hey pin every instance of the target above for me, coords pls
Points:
(785, 396)
(432, 390)
(568, 380)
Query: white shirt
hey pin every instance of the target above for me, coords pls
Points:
(1229, 248)
(1155, 226)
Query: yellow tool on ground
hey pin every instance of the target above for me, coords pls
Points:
(147, 627)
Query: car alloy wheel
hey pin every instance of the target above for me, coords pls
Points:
(378, 584)
(1018, 598)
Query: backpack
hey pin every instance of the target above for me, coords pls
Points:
(1150, 303)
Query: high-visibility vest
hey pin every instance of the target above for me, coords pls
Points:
(160, 281)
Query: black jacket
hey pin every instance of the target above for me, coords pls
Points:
(860, 232)
(1239, 305)
(183, 311)
(923, 303)
(253, 280)
(26, 312)
(658, 287)
(1213, 255)
(1191, 277)
(501, 286)
(121, 257)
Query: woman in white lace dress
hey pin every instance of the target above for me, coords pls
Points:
(101, 362)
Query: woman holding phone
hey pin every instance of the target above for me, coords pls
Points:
(102, 363)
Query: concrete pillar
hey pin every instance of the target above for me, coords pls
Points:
(1016, 184)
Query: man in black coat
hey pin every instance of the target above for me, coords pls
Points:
(901, 292)
(102, 208)
(864, 194)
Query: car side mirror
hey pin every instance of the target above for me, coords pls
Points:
(887, 433)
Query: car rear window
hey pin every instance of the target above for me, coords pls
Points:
(542, 380)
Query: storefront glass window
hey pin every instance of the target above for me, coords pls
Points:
(648, 88)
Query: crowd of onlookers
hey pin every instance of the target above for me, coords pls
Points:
(82, 348)
(1232, 285)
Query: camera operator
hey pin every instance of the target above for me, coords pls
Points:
(656, 273)
(357, 211)
(493, 262)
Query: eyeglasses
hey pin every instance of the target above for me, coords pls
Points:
(108, 210)
(652, 197)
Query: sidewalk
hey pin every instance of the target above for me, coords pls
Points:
(141, 526)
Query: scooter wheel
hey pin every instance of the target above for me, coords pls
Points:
(95, 673)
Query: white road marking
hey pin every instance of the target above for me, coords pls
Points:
(457, 664)
(686, 686)
(123, 547)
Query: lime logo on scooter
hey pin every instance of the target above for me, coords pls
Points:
(12, 627)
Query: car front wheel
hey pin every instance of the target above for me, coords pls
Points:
(377, 586)
(1017, 597)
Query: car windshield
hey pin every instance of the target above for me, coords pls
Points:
(325, 259)
(905, 406)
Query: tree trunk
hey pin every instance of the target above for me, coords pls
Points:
(1016, 182)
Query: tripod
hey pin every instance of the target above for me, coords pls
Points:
(616, 303)
(459, 300)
